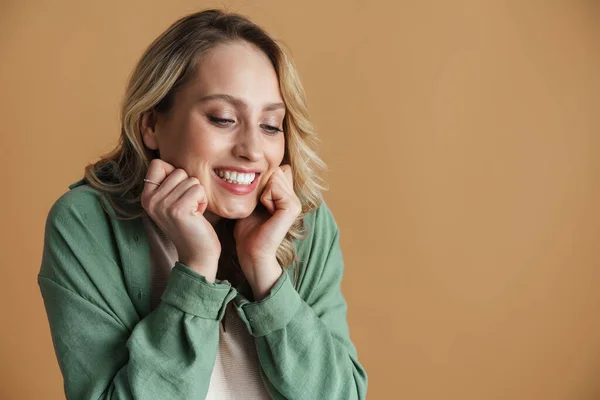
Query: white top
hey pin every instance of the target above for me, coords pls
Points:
(236, 373)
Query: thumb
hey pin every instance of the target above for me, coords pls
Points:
(267, 198)
(200, 201)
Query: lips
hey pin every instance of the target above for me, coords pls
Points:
(233, 186)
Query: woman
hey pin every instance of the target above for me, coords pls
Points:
(198, 260)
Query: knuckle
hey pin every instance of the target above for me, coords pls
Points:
(156, 163)
(151, 204)
(193, 180)
(170, 212)
(198, 189)
(176, 211)
(153, 163)
(181, 172)
(178, 175)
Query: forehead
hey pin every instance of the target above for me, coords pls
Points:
(238, 69)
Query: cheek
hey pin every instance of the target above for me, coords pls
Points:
(199, 154)
(204, 145)
(276, 152)
(274, 155)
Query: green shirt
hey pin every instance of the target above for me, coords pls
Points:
(95, 283)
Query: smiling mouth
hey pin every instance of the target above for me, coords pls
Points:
(237, 178)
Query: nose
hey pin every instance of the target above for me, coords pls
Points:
(248, 144)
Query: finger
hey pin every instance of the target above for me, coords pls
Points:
(194, 199)
(288, 176)
(158, 170)
(179, 190)
(280, 195)
(171, 182)
(279, 187)
(286, 181)
(279, 202)
(267, 199)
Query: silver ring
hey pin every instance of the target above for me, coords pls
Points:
(149, 181)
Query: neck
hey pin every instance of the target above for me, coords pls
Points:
(228, 265)
(213, 218)
(223, 228)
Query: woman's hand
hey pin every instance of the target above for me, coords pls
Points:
(259, 235)
(177, 207)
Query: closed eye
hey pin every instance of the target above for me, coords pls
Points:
(220, 121)
(269, 129)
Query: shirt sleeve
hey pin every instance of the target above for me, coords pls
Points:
(304, 346)
(104, 350)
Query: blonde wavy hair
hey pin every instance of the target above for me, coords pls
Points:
(168, 64)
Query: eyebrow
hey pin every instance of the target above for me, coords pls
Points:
(239, 102)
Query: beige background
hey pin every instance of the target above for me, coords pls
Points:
(462, 141)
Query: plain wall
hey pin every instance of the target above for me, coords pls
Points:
(462, 142)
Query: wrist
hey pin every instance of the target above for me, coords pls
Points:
(205, 267)
(263, 277)
(251, 262)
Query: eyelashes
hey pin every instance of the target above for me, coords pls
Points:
(225, 122)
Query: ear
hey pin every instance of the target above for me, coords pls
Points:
(148, 129)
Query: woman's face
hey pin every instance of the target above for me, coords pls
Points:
(228, 119)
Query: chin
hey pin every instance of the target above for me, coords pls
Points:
(238, 212)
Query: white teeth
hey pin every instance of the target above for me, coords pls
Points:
(236, 177)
